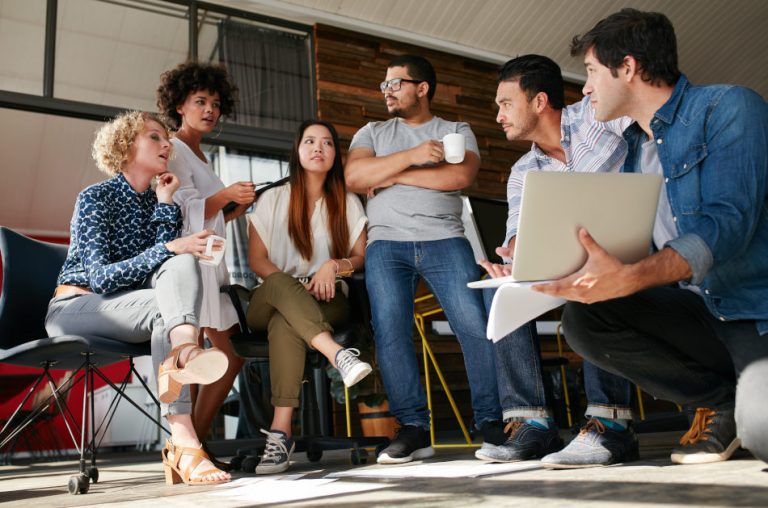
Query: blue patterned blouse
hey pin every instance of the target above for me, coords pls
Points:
(118, 236)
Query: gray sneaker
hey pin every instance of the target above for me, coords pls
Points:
(277, 454)
(711, 438)
(351, 369)
(525, 442)
(595, 445)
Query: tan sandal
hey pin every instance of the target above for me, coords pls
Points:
(203, 366)
(172, 466)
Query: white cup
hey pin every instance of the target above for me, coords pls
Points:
(217, 255)
(453, 147)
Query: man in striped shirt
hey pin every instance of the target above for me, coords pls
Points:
(532, 108)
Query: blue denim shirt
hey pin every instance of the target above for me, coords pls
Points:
(713, 147)
(118, 236)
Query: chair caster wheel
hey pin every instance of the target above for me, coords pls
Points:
(359, 456)
(314, 455)
(249, 464)
(78, 484)
(93, 474)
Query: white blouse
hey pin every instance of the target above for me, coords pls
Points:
(198, 182)
(270, 219)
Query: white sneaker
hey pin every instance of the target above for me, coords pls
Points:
(351, 369)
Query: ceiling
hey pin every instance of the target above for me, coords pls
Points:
(719, 41)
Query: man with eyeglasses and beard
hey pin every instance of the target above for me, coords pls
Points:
(415, 230)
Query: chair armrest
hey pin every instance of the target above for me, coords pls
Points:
(239, 296)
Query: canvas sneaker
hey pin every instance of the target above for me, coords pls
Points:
(525, 442)
(352, 370)
(277, 454)
(411, 443)
(595, 445)
(711, 438)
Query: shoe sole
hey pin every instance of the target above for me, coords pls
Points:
(706, 458)
(486, 458)
(357, 374)
(205, 368)
(421, 453)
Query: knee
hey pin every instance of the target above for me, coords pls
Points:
(183, 264)
(751, 417)
(577, 324)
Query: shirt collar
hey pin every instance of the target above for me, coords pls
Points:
(666, 113)
(124, 186)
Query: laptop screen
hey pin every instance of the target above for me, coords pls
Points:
(489, 223)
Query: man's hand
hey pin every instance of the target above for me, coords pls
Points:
(602, 277)
(167, 183)
(496, 270)
(429, 152)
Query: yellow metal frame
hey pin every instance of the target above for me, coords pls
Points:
(429, 356)
(566, 396)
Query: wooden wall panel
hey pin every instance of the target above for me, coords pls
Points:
(350, 66)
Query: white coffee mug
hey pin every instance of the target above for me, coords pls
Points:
(217, 255)
(453, 147)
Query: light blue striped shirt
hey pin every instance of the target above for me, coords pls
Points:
(589, 146)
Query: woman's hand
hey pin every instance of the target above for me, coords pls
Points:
(167, 183)
(323, 283)
(194, 244)
(242, 193)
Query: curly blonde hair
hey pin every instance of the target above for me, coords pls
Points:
(112, 145)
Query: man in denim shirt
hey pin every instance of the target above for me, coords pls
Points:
(689, 342)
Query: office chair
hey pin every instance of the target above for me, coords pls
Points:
(314, 418)
(30, 269)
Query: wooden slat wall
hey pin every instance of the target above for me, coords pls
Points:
(350, 66)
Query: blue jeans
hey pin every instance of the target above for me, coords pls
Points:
(392, 270)
(521, 386)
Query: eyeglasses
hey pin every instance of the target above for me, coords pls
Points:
(396, 83)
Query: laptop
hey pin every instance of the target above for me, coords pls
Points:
(618, 209)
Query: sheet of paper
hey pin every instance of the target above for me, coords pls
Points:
(450, 469)
(256, 491)
(514, 304)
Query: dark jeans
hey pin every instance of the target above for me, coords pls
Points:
(521, 387)
(667, 342)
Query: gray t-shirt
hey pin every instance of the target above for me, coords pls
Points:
(403, 212)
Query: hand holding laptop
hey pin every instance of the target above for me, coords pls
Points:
(496, 270)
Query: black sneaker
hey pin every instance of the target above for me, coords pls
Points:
(711, 438)
(596, 445)
(411, 443)
(493, 432)
(525, 442)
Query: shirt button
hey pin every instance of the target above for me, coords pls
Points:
(666, 180)
(659, 141)
(706, 291)
(685, 166)
(674, 219)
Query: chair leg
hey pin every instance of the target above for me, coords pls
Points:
(566, 396)
(640, 405)
(429, 356)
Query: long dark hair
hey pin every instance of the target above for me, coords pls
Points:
(334, 192)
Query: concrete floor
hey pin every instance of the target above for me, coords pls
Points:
(131, 479)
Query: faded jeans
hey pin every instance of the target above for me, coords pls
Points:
(170, 297)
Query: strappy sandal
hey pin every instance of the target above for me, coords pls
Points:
(172, 466)
(203, 366)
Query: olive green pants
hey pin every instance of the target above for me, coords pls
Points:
(292, 317)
